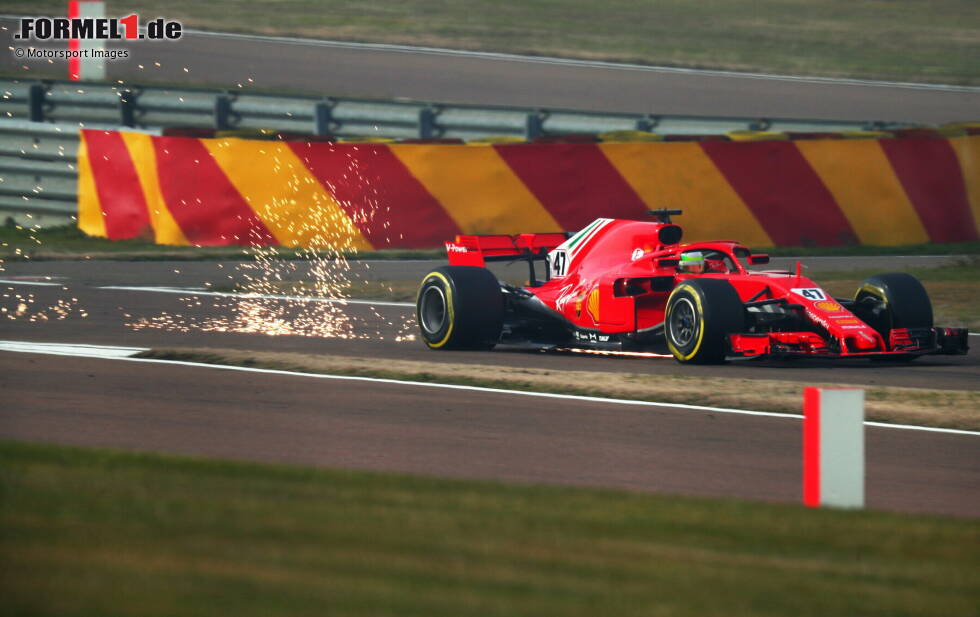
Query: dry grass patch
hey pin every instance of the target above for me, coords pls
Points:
(946, 408)
(898, 39)
(954, 303)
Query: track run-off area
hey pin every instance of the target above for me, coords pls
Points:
(100, 396)
(336, 68)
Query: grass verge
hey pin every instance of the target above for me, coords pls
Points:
(953, 289)
(900, 39)
(946, 408)
(69, 243)
(99, 532)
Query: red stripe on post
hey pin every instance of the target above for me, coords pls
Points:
(378, 193)
(576, 183)
(117, 184)
(811, 447)
(783, 192)
(931, 176)
(203, 202)
(74, 45)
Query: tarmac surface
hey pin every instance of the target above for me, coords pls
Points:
(153, 288)
(395, 427)
(390, 427)
(339, 69)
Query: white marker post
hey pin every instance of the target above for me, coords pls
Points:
(833, 447)
(90, 67)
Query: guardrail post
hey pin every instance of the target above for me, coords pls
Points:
(322, 117)
(127, 108)
(880, 125)
(646, 124)
(35, 102)
(432, 121)
(222, 112)
(534, 126)
(427, 123)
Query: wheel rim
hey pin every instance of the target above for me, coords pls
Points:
(683, 323)
(433, 309)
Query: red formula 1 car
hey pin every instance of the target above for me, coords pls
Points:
(631, 285)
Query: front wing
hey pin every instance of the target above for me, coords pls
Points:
(902, 343)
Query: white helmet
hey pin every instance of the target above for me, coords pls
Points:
(692, 262)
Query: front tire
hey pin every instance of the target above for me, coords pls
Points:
(896, 300)
(700, 315)
(459, 307)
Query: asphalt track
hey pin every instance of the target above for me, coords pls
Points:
(391, 427)
(106, 325)
(199, 410)
(394, 427)
(340, 69)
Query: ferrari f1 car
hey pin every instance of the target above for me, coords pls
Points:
(632, 285)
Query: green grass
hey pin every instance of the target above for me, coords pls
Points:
(905, 40)
(859, 250)
(67, 242)
(961, 270)
(954, 289)
(95, 532)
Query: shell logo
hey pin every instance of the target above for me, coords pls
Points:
(828, 306)
(593, 305)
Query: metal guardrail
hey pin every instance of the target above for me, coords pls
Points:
(39, 122)
(38, 175)
(149, 107)
(37, 171)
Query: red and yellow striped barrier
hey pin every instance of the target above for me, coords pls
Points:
(789, 193)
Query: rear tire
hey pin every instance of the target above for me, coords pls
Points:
(895, 300)
(701, 313)
(460, 307)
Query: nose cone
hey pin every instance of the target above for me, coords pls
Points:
(861, 342)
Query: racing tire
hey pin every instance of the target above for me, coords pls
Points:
(896, 300)
(700, 315)
(459, 307)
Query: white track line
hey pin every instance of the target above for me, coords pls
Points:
(222, 294)
(125, 353)
(186, 291)
(29, 283)
(71, 349)
(623, 66)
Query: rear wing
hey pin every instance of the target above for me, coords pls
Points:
(478, 250)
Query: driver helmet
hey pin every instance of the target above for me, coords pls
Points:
(692, 263)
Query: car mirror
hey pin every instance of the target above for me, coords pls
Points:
(758, 260)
